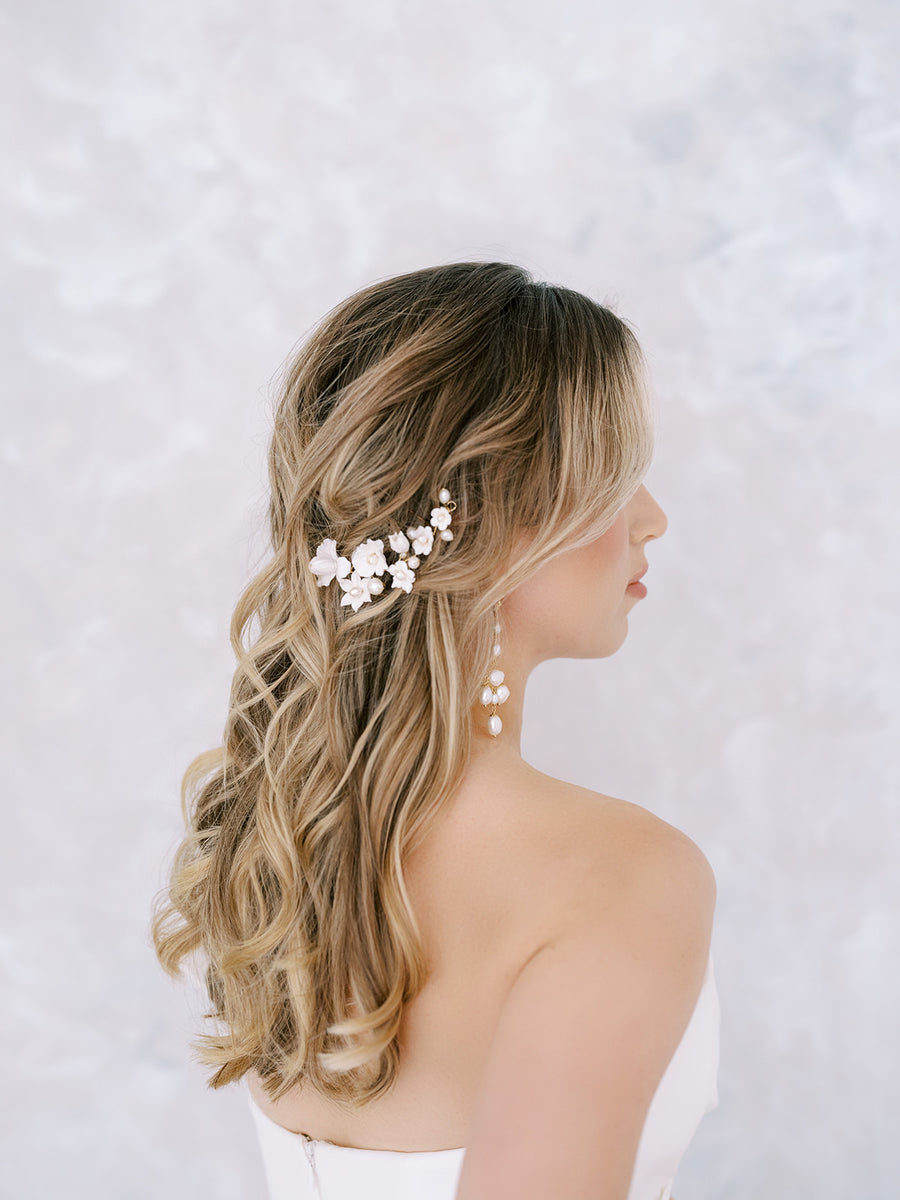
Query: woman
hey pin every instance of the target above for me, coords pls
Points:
(441, 972)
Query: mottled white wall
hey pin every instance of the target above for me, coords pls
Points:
(187, 187)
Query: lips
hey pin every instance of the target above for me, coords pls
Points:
(640, 575)
(635, 588)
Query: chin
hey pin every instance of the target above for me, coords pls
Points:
(612, 641)
(597, 642)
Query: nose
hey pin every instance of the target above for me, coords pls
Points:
(645, 517)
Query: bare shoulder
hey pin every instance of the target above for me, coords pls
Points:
(597, 1010)
(644, 853)
(639, 885)
(604, 854)
(553, 855)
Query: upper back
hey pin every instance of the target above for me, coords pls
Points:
(501, 874)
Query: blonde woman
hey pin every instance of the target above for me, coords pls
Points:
(440, 972)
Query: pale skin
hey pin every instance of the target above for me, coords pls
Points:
(567, 931)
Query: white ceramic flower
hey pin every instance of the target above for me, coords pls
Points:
(399, 542)
(403, 576)
(357, 591)
(422, 539)
(327, 564)
(440, 517)
(368, 558)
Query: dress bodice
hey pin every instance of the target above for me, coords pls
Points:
(302, 1168)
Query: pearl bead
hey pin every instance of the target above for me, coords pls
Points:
(494, 725)
(497, 627)
(443, 495)
(495, 699)
(412, 563)
(502, 693)
(446, 535)
(487, 696)
(496, 677)
(496, 649)
(376, 586)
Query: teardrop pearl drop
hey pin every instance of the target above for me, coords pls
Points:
(487, 696)
(496, 677)
(494, 725)
(502, 693)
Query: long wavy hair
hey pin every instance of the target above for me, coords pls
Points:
(348, 731)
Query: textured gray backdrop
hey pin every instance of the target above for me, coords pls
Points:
(187, 187)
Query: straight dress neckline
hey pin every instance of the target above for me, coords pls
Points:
(299, 1167)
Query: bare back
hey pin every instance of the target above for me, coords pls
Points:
(492, 883)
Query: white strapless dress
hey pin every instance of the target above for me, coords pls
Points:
(302, 1168)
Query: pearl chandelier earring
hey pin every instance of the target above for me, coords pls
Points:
(493, 690)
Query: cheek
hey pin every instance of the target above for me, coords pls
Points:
(595, 575)
(610, 551)
(594, 570)
(587, 585)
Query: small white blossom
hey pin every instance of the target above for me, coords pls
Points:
(440, 517)
(422, 539)
(368, 558)
(327, 564)
(399, 543)
(356, 591)
(403, 576)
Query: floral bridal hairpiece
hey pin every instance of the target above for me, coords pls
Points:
(359, 575)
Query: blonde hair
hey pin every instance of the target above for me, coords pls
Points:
(348, 731)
